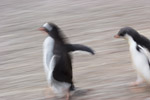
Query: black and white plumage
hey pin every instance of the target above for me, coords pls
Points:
(57, 60)
(139, 47)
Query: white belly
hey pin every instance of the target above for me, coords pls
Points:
(140, 61)
(49, 64)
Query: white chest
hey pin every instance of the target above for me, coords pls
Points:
(138, 57)
(140, 60)
(49, 64)
(48, 58)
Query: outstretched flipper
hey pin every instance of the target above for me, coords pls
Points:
(75, 47)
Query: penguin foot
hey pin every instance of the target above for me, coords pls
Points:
(68, 96)
(136, 83)
(47, 93)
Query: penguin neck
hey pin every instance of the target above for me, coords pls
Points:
(131, 42)
(132, 45)
(57, 41)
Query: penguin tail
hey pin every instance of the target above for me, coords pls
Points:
(76, 47)
(72, 87)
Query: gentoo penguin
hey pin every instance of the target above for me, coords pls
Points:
(57, 60)
(139, 47)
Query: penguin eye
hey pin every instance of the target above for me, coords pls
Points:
(122, 34)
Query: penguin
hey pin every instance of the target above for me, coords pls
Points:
(139, 47)
(58, 60)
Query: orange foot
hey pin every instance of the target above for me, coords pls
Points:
(47, 93)
(135, 83)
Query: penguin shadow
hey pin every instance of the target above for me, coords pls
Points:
(79, 93)
(54, 98)
(147, 98)
(140, 88)
(73, 96)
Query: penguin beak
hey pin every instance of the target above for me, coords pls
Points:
(42, 29)
(116, 36)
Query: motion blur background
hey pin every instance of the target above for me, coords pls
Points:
(89, 22)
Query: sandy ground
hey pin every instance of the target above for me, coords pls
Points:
(89, 22)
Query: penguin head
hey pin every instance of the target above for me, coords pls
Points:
(53, 31)
(127, 32)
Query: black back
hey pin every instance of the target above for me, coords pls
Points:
(63, 68)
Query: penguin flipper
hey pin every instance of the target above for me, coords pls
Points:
(75, 47)
(145, 51)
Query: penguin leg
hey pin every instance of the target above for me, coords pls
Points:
(47, 92)
(138, 81)
(68, 95)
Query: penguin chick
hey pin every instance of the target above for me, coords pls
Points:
(57, 60)
(139, 47)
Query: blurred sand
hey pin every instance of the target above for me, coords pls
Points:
(89, 22)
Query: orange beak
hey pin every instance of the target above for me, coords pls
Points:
(41, 29)
(116, 36)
